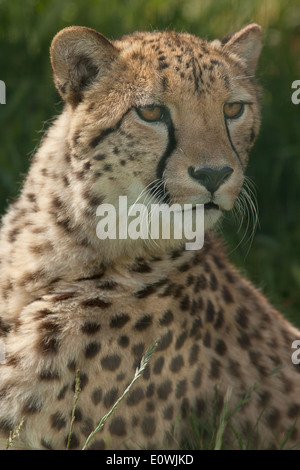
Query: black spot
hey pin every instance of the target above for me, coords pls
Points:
(92, 349)
(165, 341)
(183, 267)
(272, 417)
(143, 323)
(87, 427)
(123, 341)
(72, 366)
(214, 372)
(162, 66)
(150, 390)
(196, 327)
(146, 373)
(207, 268)
(181, 339)
(120, 377)
(190, 280)
(210, 312)
(178, 291)
(110, 397)
(197, 379)
(117, 426)
(168, 413)
(150, 407)
(234, 368)
(158, 365)
(201, 284)
(148, 426)
(97, 396)
(176, 363)
(74, 441)
(58, 421)
(49, 344)
(119, 320)
(108, 284)
(138, 349)
(200, 407)
(111, 362)
(218, 262)
(62, 393)
(220, 347)
(294, 410)
(194, 353)
(83, 378)
(46, 444)
(185, 408)
(107, 167)
(181, 388)
(255, 357)
(230, 277)
(220, 319)
(141, 267)
(264, 397)
(31, 406)
(244, 340)
(149, 289)
(185, 303)
(167, 318)
(242, 317)
(207, 339)
(96, 303)
(49, 375)
(90, 328)
(227, 296)
(164, 390)
(78, 415)
(213, 283)
(135, 396)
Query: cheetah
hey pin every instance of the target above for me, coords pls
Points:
(155, 116)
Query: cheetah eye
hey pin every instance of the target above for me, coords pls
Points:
(233, 110)
(151, 113)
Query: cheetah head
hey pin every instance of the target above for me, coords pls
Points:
(159, 117)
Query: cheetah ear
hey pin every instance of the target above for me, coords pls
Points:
(246, 44)
(78, 55)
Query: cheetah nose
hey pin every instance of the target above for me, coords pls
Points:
(210, 178)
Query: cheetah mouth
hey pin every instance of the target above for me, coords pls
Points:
(211, 205)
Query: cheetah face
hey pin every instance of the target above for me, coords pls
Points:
(160, 117)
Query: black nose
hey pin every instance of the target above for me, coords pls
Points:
(210, 178)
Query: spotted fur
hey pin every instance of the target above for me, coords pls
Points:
(70, 301)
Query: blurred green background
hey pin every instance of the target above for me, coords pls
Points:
(272, 259)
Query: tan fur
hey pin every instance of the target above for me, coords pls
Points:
(70, 301)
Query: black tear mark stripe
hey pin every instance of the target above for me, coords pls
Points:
(231, 143)
(96, 140)
(170, 147)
